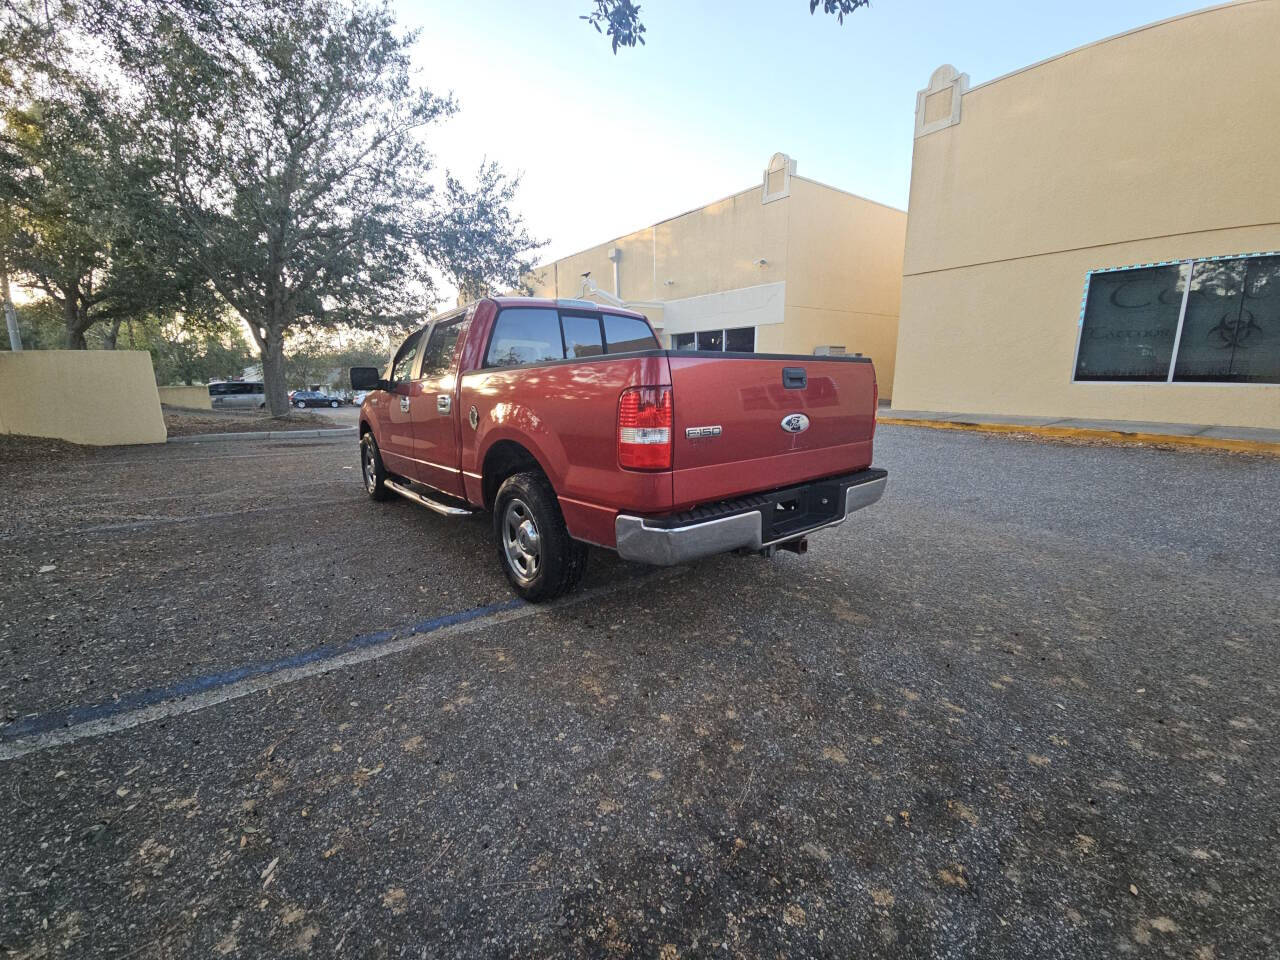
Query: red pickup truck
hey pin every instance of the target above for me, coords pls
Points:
(567, 421)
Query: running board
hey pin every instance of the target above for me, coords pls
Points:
(420, 500)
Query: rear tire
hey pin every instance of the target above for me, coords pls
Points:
(300, 404)
(372, 472)
(334, 404)
(537, 554)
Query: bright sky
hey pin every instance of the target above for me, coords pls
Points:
(608, 144)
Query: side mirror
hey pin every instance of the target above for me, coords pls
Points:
(366, 378)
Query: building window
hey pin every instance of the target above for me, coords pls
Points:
(710, 340)
(1205, 321)
(1231, 331)
(740, 340)
(734, 340)
(1130, 320)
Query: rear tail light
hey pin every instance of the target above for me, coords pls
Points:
(875, 405)
(644, 428)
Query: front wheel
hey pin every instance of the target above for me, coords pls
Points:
(334, 404)
(300, 404)
(537, 554)
(372, 471)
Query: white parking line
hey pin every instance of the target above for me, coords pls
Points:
(244, 688)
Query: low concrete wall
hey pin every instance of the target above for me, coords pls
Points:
(195, 397)
(96, 397)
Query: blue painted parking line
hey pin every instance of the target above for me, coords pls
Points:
(69, 716)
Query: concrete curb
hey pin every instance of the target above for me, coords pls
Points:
(1119, 437)
(266, 435)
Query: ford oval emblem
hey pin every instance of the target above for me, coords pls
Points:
(795, 423)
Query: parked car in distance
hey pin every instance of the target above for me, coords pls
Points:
(237, 394)
(567, 421)
(312, 398)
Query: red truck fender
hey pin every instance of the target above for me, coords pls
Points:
(502, 449)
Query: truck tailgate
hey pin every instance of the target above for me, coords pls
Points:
(748, 400)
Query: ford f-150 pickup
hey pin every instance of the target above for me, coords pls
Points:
(567, 421)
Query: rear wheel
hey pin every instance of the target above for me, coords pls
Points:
(372, 471)
(300, 404)
(537, 554)
(334, 404)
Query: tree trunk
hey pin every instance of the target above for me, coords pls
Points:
(111, 336)
(273, 379)
(10, 315)
(75, 325)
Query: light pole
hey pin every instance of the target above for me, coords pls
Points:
(10, 315)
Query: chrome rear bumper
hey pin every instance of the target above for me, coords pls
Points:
(752, 523)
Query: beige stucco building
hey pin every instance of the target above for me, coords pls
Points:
(1156, 151)
(787, 266)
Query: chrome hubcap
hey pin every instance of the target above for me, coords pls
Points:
(521, 541)
(370, 473)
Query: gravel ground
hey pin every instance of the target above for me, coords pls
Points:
(1025, 706)
(18, 452)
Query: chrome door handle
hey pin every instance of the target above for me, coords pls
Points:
(444, 403)
(404, 404)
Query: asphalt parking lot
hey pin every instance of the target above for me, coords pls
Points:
(1026, 706)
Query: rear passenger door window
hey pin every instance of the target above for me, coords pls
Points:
(628, 334)
(437, 359)
(402, 366)
(525, 335)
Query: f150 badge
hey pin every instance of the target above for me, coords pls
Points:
(795, 423)
(701, 433)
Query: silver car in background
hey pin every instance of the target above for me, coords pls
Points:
(237, 395)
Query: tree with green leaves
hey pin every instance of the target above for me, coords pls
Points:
(80, 220)
(295, 160)
(30, 54)
(619, 20)
(182, 351)
(312, 359)
(480, 240)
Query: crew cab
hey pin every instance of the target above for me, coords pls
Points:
(567, 421)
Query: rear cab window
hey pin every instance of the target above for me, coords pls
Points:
(529, 335)
(581, 335)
